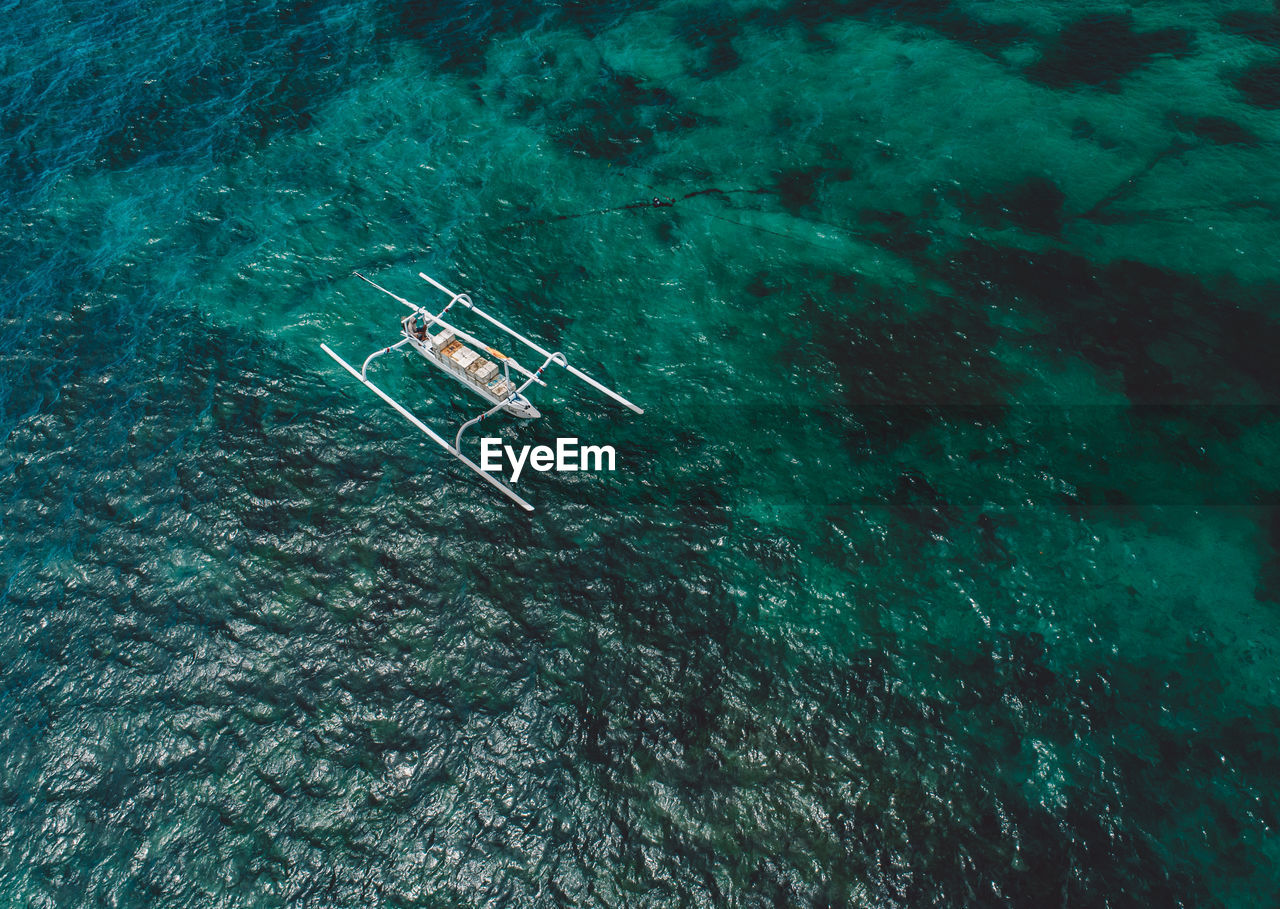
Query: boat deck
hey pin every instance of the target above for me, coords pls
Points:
(482, 376)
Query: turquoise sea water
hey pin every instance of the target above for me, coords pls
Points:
(942, 570)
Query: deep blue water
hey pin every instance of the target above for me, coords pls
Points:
(943, 568)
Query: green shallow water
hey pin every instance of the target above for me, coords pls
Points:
(941, 569)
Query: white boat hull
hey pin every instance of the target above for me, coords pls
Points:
(519, 406)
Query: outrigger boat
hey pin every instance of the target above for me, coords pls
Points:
(492, 381)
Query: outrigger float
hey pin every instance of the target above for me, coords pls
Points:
(492, 381)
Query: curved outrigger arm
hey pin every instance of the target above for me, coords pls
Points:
(364, 367)
(501, 487)
(466, 301)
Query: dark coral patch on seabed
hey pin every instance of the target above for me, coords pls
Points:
(1114, 313)
(618, 120)
(1215, 129)
(711, 32)
(1253, 24)
(1100, 49)
(1034, 204)
(1259, 84)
